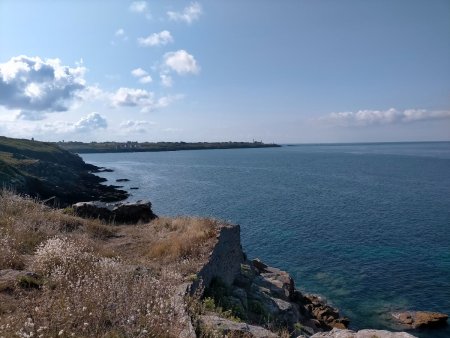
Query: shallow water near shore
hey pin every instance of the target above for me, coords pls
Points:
(365, 225)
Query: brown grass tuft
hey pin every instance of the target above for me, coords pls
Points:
(182, 237)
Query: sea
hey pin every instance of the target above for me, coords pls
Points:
(366, 226)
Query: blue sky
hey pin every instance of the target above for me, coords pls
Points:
(277, 71)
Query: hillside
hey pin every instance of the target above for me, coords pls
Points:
(45, 170)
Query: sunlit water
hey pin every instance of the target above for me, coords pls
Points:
(366, 226)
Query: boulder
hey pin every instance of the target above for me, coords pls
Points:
(225, 327)
(338, 333)
(126, 213)
(420, 319)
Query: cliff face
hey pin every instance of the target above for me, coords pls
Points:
(44, 170)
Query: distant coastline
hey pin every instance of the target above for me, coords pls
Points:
(119, 147)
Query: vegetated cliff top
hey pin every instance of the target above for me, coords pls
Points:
(117, 147)
(61, 275)
(45, 170)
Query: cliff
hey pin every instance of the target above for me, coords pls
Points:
(44, 170)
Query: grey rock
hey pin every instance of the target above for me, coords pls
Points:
(222, 327)
(225, 260)
(126, 213)
(338, 333)
(241, 295)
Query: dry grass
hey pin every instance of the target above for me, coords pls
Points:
(94, 279)
(181, 237)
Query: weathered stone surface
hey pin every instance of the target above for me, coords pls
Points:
(128, 212)
(421, 319)
(225, 260)
(328, 316)
(337, 333)
(222, 327)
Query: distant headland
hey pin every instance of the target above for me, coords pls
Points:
(119, 147)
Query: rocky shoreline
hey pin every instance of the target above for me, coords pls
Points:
(265, 299)
(49, 173)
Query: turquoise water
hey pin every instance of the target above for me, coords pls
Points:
(365, 225)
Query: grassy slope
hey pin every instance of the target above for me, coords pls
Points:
(94, 279)
(45, 170)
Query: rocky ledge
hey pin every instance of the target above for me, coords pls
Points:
(337, 333)
(124, 213)
(420, 319)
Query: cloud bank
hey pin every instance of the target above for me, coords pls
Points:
(35, 86)
(380, 117)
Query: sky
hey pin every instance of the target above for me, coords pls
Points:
(292, 71)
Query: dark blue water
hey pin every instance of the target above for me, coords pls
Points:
(366, 226)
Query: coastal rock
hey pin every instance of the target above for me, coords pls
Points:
(338, 333)
(126, 213)
(326, 314)
(224, 327)
(225, 260)
(122, 180)
(421, 319)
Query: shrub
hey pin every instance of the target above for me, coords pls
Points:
(9, 257)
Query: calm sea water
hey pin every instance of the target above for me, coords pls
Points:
(366, 226)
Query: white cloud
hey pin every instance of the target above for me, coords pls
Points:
(91, 122)
(390, 116)
(181, 62)
(138, 72)
(140, 7)
(35, 86)
(136, 126)
(130, 97)
(189, 13)
(120, 34)
(166, 80)
(145, 79)
(156, 39)
(142, 75)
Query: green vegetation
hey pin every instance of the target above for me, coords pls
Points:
(119, 147)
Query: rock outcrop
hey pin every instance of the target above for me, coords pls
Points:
(420, 319)
(125, 213)
(338, 333)
(213, 325)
